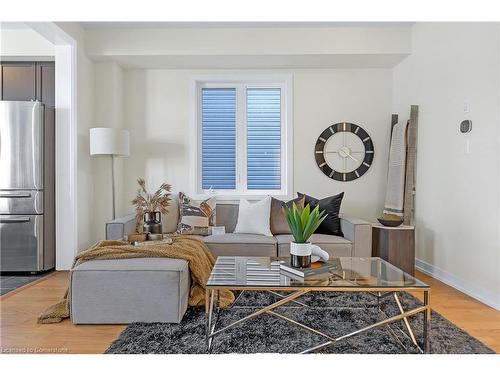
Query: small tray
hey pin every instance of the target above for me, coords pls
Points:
(165, 241)
(133, 237)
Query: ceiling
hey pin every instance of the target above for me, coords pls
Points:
(271, 45)
(161, 25)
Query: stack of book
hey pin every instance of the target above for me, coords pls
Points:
(316, 269)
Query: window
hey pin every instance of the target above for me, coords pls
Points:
(244, 141)
(218, 137)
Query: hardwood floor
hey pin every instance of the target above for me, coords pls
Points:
(474, 317)
(19, 331)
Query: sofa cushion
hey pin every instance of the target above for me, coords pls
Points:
(133, 264)
(254, 218)
(334, 245)
(129, 290)
(227, 215)
(279, 224)
(241, 244)
(331, 205)
(116, 229)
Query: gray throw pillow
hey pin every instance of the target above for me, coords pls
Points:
(279, 225)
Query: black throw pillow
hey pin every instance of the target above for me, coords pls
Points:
(331, 205)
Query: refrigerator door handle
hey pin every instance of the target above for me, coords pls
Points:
(18, 195)
(20, 220)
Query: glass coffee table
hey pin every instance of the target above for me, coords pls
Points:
(263, 274)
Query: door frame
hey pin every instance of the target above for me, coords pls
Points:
(66, 140)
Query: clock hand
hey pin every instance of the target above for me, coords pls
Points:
(353, 158)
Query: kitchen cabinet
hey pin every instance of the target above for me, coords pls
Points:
(26, 81)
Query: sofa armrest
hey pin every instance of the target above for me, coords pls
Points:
(116, 229)
(359, 232)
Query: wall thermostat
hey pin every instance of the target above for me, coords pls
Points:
(465, 126)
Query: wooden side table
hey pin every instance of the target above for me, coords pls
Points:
(395, 245)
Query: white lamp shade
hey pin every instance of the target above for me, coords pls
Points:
(109, 141)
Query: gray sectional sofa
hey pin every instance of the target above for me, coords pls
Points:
(157, 290)
(357, 240)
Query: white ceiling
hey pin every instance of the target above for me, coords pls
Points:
(249, 45)
(161, 25)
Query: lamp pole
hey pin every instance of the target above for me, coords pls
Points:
(113, 142)
(113, 185)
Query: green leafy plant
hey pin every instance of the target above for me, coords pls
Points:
(303, 222)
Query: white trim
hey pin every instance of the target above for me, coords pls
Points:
(283, 81)
(65, 142)
(475, 291)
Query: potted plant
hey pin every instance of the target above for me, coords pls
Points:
(149, 207)
(302, 223)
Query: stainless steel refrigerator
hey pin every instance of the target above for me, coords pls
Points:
(27, 233)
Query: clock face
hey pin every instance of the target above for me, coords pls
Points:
(344, 151)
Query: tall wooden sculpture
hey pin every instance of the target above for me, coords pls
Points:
(411, 164)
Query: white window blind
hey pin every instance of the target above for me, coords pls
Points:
(264, 139)
(244, 146)
(218, 138)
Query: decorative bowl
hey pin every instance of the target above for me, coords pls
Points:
(391, 222)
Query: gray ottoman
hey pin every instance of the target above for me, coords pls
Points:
(129, 290)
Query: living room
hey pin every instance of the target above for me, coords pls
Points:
(348, 168)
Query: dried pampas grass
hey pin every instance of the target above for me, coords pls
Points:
(147, 202)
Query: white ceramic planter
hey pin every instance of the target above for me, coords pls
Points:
(300, 254)
(301, 249)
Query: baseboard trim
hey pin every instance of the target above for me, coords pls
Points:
(474, 291)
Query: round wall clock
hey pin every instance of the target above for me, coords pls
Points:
(344, 151)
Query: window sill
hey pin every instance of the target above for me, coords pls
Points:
(235, 198)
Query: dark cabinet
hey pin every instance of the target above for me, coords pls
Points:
(45, 83)
(395, 245)
(18, 81)
(28, 81)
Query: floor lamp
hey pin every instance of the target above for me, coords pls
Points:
(113, 142)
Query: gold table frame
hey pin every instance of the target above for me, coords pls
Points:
(211, 302)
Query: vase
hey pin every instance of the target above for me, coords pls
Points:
(152, 222)
(300, 254)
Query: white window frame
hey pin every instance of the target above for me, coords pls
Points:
(242, 83)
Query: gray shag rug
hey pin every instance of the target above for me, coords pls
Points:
(334, 313)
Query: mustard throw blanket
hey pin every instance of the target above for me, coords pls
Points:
(194, 251)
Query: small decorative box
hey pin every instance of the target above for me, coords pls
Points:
(218, 230)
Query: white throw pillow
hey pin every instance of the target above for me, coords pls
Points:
(254, 218)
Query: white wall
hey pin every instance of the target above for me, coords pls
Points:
(108, 113)
(323, 97)
(17, 41)
(158, 108)
(85, 110)
(457, 198)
